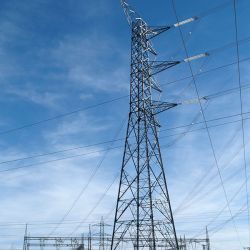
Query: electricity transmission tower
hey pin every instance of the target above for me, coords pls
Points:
(143, 210)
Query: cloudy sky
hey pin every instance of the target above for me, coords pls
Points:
(64, 77)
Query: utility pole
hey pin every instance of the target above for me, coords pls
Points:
(25, 241)
(83, 243)
(102, 235)
(90, 239)
(143, 211)
(208, 240)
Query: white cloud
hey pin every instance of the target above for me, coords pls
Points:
(29, 93)
(85, 60)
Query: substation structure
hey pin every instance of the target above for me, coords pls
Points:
(99, 238)
(101, 243)
(143, 216)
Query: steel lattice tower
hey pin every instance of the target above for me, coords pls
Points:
(143, 211)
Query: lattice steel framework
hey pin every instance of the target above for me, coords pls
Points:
(143, 211)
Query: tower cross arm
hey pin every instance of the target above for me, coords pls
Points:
(159, 66)
(158, 106)
(154, 31)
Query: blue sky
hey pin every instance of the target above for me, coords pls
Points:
(60, 56)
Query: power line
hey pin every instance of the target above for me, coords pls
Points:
(229, 45)
(241, 110)
(223, 209)
(204, 118)
(219, 227)
(60, 151)
(202, 122)
(103, 150)
(216, 8)
(214, 188)
(55, 160)
(197, 187)
(62, 115)
(226, 92)
(39, 223)
(205, 72)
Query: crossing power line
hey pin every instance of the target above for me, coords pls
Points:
(206, 125)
